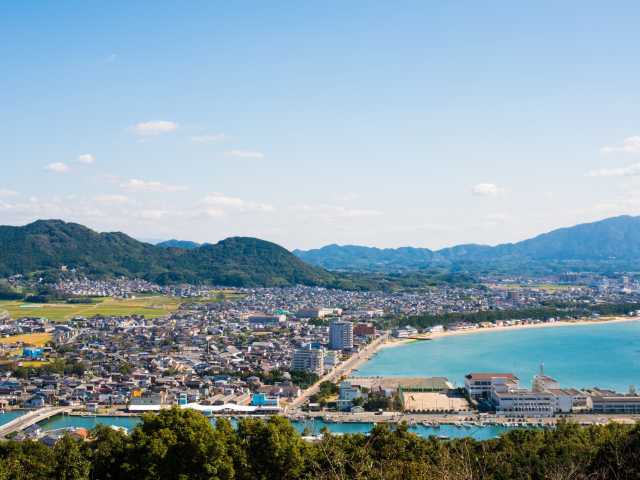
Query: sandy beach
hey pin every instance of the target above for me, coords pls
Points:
(392, 343)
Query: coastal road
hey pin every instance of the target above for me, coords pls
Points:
(342, 369)
(31, 418)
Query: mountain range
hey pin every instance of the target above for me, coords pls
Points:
(610, 244)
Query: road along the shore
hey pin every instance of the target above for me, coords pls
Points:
(342, 369)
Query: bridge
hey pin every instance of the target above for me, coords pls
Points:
(31, 418)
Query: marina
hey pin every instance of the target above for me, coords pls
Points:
(309, 426)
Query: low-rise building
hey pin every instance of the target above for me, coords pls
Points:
(347, 394)
(603, 401)
(480, 385)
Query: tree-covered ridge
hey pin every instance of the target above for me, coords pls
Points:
(606, 245)
(543, 312)
(184, 244)
(182, 444)
(46, 245)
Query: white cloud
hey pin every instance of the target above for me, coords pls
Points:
(57, 167)
(217, 204)
(5, 192)
(336, 211)
(86, 158)
(629, 145)
(154, 127)
(244, 154)
(486, 190)
(629, 171)
(151, 214)
(208, 138)
(137, 185)
(111, 199)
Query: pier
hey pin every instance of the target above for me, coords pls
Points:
(31, 418)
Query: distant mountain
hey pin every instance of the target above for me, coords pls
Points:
(610, 244)
(183, 244)
(46, 245)
(358, 258)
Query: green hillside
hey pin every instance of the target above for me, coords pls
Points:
(46, 245)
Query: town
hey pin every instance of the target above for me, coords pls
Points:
(292, 351)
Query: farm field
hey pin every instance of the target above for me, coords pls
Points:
(217, 296)
(36, 339)
(148, 306)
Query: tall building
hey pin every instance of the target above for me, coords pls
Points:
(308, 359)
(341, 335)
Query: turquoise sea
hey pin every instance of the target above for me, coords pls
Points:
(581, 356)
(315, 426)
(6, 417)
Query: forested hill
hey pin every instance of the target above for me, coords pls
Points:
(610, 244)
(184, 244)
(46, 245)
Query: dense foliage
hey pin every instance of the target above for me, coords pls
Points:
(182, 444)
(7, 292)
(537, 313)
(44, 246)
(241, 262)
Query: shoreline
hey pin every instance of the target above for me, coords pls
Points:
(530, 326)
(450, 333)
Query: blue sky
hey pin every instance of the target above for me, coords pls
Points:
(307, 123)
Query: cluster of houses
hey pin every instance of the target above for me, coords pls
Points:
(209, 354)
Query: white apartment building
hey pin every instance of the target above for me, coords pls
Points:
(341, 335)
(308, 359)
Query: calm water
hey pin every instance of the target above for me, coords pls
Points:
(480, 433)
(604, 355)
(8, 416)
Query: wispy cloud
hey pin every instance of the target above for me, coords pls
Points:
(154, 127)
(137, 185)
(86, 158)
(217, 204)
(57, 167)
(208, 138)
(486, 190)
(629, 145)
(245, 154)
(5, 192)
(336, 211)
(111, 199)
(629, 171)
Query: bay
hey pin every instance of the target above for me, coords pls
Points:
(606, 355)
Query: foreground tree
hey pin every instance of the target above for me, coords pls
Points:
(178, 444)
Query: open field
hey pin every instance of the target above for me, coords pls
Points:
(217, 296)
(37, 339)
(546, 287)
(433, 402)
(149, 306)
